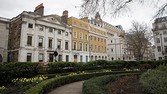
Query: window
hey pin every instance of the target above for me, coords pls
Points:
(30, 25)
(165, 39)
(80, 58)
(29, 40)
(159, 48)
(86, 36)
(111, 41)
(91, 37)
(41, 57)
(67, 58)
(165, 48)
(74, 45)
(101, 40)
(164, 32)
(86, 47)
(95, 48)
(66, 45)
(74, 23)
(75, 34)
(80, 45)
(81, 36)
(40, 44)
(50, 43)
(160, 58)
(91, 48)
(51, 30)
(29, 55)
(60, 58)
(104, 40)
(86, 58)
(66, 34)
(59, 32)
(94, 38)
(98, 39)
(58, 44)
(158, 40)
(98, 48)
(157, 33)
(41, 28)
(105, 49)
(112, 50)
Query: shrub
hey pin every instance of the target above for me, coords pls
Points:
(154, 81)
(17, 70)
(98, 85)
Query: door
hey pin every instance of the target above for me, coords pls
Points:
(75, 58)
(50, 57)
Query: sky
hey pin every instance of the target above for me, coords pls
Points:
(12, 8)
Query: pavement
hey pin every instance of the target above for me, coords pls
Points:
(72, 88)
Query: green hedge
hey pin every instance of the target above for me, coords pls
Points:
(26, 69)
(17, 70)
(47, 85)
(155, 81)
(98, 85)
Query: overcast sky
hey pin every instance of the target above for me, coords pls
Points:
(12, 8)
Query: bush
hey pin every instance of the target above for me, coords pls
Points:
(154, 81)
(11, 71)
(98, 85)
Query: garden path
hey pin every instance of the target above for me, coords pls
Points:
(72, 88)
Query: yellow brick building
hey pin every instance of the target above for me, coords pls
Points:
(80, 39)
(97, 43)
(88, 40)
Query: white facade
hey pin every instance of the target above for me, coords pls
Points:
(115, 42)
(160, 38)
(4, 31)
(41, 36)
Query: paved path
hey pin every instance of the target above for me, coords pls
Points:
(73, 88)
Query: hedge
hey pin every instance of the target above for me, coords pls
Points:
(11, 71)
(155, 81)
(47, 85)
(27, 69)
(98, 85)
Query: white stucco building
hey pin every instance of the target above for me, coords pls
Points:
(160, 38)
(4, 31)
(34, 37)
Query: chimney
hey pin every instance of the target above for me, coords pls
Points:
(39, 9)
(64, 16)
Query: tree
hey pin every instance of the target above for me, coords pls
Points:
(117, 7)
(137, 40)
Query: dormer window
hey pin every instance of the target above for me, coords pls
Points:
(30, 25)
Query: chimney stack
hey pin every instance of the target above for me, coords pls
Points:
(64, 16)
(39, 9)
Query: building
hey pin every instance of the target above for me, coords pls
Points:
(79, 39)
(98, 39)
(115, 42)
(35, 37)
(160, 37)
(4, 31)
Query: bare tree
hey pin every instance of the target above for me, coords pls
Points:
(138, 40)
(119, 7)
